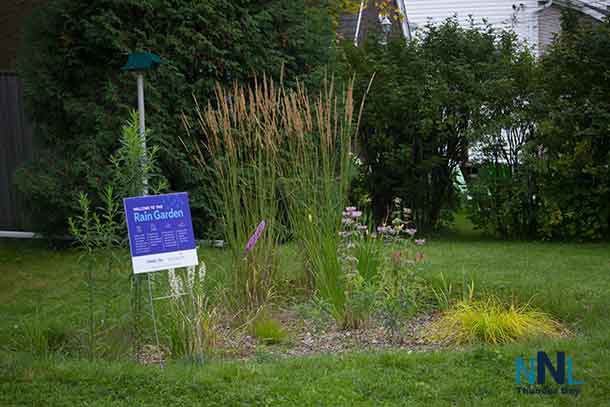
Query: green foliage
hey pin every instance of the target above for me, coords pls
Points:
(423, 110)
(188, 319)
(268, 330)
(379, 271)
(504, 205)
(574, 141)
(279, 156)
(443, 292)
(77, 94)
(42, 336)
(555, 145)
(490, 321)
(97, 231)
(134, 164)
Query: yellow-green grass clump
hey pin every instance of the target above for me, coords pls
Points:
(269, 331)
(491, 321)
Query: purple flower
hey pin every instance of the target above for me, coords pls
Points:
(411, 232)
(254, 238)
(420, 242)
(355, 214)
(345, 234)
(350, 209)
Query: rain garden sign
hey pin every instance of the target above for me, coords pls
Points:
(160, 232)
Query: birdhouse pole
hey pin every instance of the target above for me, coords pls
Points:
(138, 63)
(142, 129)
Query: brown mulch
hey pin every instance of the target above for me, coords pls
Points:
(308, 338)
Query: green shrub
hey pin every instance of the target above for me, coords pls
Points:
(555, 148)
(77, 94)
(268, 330)
(425, 108)
(573, 144)
(491, 321)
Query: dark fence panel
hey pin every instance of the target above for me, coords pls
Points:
(16, 147)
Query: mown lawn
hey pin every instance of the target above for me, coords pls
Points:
(569, 281)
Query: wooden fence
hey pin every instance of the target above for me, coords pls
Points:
(16, 147)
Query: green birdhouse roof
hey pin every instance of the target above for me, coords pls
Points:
(141, 61)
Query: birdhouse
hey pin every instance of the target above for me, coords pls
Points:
(142, 61)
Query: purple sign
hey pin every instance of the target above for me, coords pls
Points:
(160, 232)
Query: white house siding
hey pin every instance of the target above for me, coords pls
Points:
(549, 20)
(549, 24)
(523, 19)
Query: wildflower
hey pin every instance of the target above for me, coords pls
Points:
(382, 229)
(190, 276)
(345, 233)
(254, 238)
(355, 214)
(419, 256)
(350, 209)
(420, 242)
(407, 211)
(202, 271)
(175, 284)
(362, 227)
(347, 221)
(411, 231)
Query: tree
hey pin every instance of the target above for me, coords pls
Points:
(423, 112)
(574, 134)
(78, 96)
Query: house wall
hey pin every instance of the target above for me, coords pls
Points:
(549, 24)
(369, 24)
(498, 13)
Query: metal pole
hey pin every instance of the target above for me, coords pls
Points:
(145, 192)
(142, 129)
(152, 311)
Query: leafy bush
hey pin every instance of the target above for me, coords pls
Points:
(490, 321)
(77, 94)
(574, 142)
(424, 109)
(554, 144)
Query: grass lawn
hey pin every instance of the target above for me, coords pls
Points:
(569, 281)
